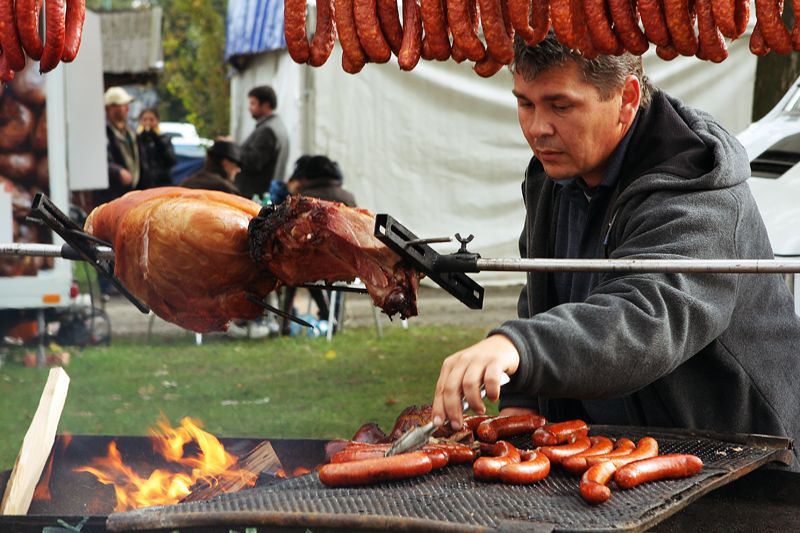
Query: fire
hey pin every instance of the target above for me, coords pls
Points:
(210, 467)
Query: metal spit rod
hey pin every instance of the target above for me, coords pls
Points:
(756, 266)
(49, 250)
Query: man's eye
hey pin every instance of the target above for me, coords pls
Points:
(561, 107)
(524, 103)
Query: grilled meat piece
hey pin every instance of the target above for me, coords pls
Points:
(185, 253)
(305, 239)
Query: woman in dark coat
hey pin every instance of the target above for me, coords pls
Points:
(156, 155)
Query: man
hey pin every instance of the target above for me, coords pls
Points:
(219, 170)
(621, 170)
(266, 151)
(121, 147)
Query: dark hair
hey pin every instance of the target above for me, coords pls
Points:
(264, 93)
(606, 72)
(152, 110)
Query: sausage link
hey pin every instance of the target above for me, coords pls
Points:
(55, 27)
(646, 448)
(586, 45)
(557, 454)
(768, 13)
(742, 16)
(9, 37)
(462, 19)
(725, 17)
(600, 446)
(502, 427)
(348, 37)
(559, 433)
(598, 22)
(411, 46)
(390, 24)
(370, 471)
(626, 26)
(369, 31)
(472, 422)
(757, 44)
(73, 29)
(458, 56)
(487, 67)
(535, 467)
(438, 456)
(577, 464)
(434, 22)
(667, 53)
(671, 466)
(324, 35)
(488, 468)
(27, 13)
(294, 29)
(565, 22)
(458, 453)
(358, 454)
(712, 45)
(594, 483)
(655, 26)
(681, 26)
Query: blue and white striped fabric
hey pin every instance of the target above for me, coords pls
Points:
(254, 26)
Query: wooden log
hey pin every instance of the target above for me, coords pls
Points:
(36, 445)
(261, 459)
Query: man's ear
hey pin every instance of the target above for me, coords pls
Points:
(631, 97)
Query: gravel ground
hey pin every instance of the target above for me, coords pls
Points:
(436, 307)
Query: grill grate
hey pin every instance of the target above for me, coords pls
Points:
(450, 499)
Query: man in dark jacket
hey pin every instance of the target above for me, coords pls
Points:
(122, 148)
(621, 170)
(266, 151)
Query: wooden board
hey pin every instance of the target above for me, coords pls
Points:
(36, 445)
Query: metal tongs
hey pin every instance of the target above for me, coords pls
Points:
(416, 438)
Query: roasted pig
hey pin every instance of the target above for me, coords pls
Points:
(305, 239)
(193, 255)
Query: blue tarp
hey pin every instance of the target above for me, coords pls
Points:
(254, 26)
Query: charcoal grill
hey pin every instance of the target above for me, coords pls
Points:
(451, 500)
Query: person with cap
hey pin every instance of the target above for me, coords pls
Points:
(219, 170)
(122, 148)
(266, 150)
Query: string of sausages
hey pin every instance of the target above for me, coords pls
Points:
(597, 460)
(371, 31)
(21, 28)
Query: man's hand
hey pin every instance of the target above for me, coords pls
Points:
(464, 372)
(125, 177)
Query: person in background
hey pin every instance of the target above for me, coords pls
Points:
(317, 177)
(122, 148)
(155, 152)
(265, 152)
(219, 170)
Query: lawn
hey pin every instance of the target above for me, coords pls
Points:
(280, 388)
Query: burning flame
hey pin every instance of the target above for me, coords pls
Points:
(211, 466)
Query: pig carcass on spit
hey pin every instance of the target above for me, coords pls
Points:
(187, 253)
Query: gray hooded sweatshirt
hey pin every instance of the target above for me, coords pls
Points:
(704, 351)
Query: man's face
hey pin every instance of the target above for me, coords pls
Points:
(571, 131)
(257, 109)
(117, 112)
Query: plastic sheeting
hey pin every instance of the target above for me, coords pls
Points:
(439, 148)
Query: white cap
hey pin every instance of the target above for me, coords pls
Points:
(117, 96)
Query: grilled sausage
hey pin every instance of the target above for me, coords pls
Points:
(667, 53)
(742, 16)
(671, 466)
(458, 453)
(27, 13)
(558, 453)
(472, 422)
(488, 468)
(724, 12)
(9, 37)
(434, 22)
(577, 464)
(565, 23)
(487, 67)
(680, 22)
(73, 28)
(626, 26)
(530, 19)
(559, 433)
(438, 456)
(369, 31)
(598, 22)
(324, 35)
(462, 19)
(777, 37)
(370, 471)
(55, 27)
(358, 454)
(712, 45)
(655, 26)
(412, 36)
(594, 483)
(532, 468)
(757, 44)
(498, 43)
(348, 37)
(294, 29)
(390, 24)
(502, 427)
(646, 448)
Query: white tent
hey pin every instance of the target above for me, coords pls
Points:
(439, 148)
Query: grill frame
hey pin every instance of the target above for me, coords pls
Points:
(747, 452)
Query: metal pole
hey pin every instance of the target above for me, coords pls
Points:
(756, 266)
(15, 249)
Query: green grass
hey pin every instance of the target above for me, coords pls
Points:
(278, 388)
